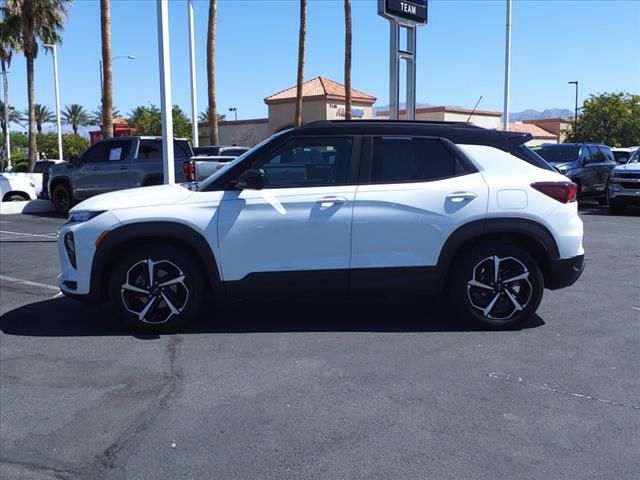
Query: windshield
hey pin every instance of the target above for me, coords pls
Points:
(213, 177)
(558, 153)
(636, 157)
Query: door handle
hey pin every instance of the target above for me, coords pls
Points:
(458, 197)
(94, 168)
(331, 201)
(123, 167)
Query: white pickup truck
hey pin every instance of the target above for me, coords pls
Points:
(208, 160)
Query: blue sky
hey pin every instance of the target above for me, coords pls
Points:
(460, 52)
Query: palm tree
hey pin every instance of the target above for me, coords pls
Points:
(41, 115)
(35, 20)
(95, 117)
(211, 72)
(204, 116)
(76, 116)
(347, 59)
(14, 116)
(301, 40)
(8, 43)
(107, 73)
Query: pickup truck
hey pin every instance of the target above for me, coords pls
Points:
(113, 164)
(209, 160)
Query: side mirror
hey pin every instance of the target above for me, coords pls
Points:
(250, 180)
(75, 160)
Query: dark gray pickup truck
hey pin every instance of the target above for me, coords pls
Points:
(113, 164)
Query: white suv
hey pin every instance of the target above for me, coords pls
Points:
(334, 207)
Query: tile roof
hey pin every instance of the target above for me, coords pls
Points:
(534, 130)
(319, 88)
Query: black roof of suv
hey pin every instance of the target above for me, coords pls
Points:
(456, 132)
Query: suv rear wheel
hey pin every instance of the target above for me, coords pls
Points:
(157, 289)
(496, 286)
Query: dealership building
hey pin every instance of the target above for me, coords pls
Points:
(324, 99)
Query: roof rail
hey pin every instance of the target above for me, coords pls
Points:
(416, 122)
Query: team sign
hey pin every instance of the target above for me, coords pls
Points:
(414, 10)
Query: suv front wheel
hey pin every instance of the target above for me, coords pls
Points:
(496, 286)
(157, 289)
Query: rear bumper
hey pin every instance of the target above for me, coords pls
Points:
(565, 271)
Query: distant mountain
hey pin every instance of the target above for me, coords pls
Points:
(531, 114)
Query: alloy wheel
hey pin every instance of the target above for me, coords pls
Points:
(499, 287)
(155, 291)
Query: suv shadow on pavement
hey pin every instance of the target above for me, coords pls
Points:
(603, 211)
(62, 317)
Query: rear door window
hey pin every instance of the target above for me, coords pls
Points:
(608, 154)
(150, 150)
(402, 160)
(97, 153)
(118, 151)
(597, 156)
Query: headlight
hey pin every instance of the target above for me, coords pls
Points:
(78, 217)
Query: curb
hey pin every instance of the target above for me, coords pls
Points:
(32, 206)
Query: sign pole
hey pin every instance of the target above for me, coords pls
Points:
(407, 14)
(165, 92)
(192, 64)
(394, 71)
(507, 69)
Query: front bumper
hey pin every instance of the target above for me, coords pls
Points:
(620, 194)
(565, 271)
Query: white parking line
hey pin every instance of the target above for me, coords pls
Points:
(27, 282)
(51, 236)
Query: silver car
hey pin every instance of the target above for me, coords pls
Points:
(624, 185)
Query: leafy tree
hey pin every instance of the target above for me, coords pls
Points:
(72, 145)
(609, 118)
(35, 20)
(76, 116)
(148, 121)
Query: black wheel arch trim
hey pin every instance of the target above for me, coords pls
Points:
(498, 226)
(156, 231)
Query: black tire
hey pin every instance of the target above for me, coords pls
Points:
(617, 208)
(62, 198)
(169, 263)
(498, 298)
(15, 197)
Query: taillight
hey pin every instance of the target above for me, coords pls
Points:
(189, 169)
(563, 192)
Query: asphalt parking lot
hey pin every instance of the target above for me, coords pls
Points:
(381, 389)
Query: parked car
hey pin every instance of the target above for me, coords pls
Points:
(622, 155)
(200, 167)
(360, 207)
(16, 189)
(219, 151)
(624, 185)
(113, 164)
(39, 176)
(588, 165)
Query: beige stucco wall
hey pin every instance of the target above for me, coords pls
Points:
(540, 141)
(485, 121)
(282, 115)
(246, 134)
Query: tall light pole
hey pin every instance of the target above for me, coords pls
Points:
(54, 49)
(7, 140)
(507, 68)
(165, 91)
(235, 111)
(575, 114)
(130, 57)
(192, 68)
